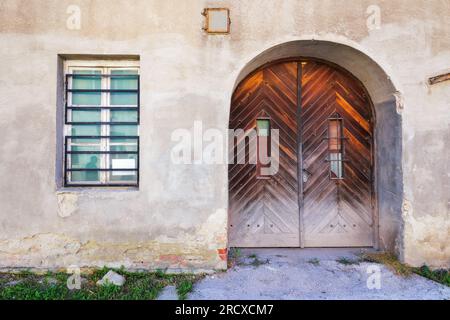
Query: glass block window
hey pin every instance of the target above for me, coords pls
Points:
(101, 125)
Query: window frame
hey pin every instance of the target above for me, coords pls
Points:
(105, 140)
(340, 143)
(267, 138)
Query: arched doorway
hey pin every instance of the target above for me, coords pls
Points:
(322, 194)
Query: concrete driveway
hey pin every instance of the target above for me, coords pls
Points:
(312, 274)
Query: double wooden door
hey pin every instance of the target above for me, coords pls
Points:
(320, 194)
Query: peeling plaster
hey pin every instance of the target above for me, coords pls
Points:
(425, 237)
(57, 251)
(201, 251)
(399, 102)
(67, 204)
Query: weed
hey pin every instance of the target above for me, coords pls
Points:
(233, 257)
(347, 261)
(160, 273)
(184, 287)
(390, 260)
(256, 262)
(440, 275)
(314, 261)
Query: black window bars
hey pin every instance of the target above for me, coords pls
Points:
(68, 139)
(336, 147)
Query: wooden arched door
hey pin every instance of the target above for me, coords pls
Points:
(322, 193)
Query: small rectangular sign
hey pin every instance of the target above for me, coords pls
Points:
(123, 164)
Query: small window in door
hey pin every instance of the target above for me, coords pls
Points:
(335, 148)
(263, 147)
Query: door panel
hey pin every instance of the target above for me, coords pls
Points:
(264, 210)
(337, 211)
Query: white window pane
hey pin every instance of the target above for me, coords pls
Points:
(336, 165)
(123, 161)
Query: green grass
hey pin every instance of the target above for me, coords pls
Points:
(234, 256)
(314, 261)
(346, 261)
(256, 262)
(53, 286)
(184, 287)
(441, 275)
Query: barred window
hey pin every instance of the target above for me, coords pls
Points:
(101, 124)
(263, 146)
(336, 147)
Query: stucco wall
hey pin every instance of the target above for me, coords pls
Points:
(177, 218)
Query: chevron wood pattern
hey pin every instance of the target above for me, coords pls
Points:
(265, 211)
(308, 209)
(336, 213)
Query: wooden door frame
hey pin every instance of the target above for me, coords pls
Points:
(373, 120)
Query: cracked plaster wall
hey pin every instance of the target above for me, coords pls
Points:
(177, 218)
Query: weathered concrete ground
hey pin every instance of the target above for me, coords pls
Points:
(311, 274)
